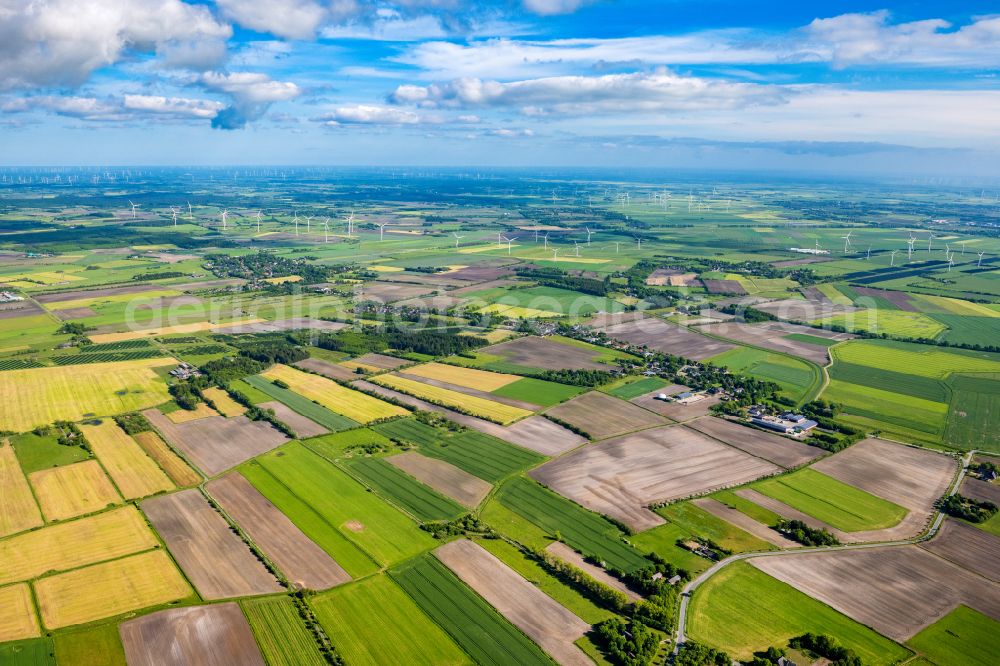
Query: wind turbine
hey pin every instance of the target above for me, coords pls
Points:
(326, 230)
(134, 206)
(980, 262)
(309, 224)
(499, 239)
(638, 242)
(576, 245)
(847, 241)
(224, 215)
(929, 240)
(589, 233)
(509, 241)
(892, 258)
(909, 249)
(457, 237)
(258, 221)
(190, 212)
(616, 246)
(296, 221)
(555, 254)
(350, 224)
(381, 230)
(545, 238)
(174, 211)
(868, 255)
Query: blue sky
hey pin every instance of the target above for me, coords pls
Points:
(821, 86)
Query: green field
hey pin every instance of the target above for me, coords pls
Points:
(31, 652)
(487, 457)
(755, 511)
(974, 414)
(841, 506)
(698, 522)
(304, 406)
(811, 339)
(634, 389)
(37, 452)
(892, 412)
(380, 530)
(335, 445)
(538, 391)
(372, 621)
(662, 540)
(91, 646)
(923, 360)
(583, 530)
(925, 388)
(481, 631)
(421, 501)
(963, 329)
(312, 523)
(963, 637)
(796, 377)
(896, 323)
(742, 610)
(550, 299)
(281, 635)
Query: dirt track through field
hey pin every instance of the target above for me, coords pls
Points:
(896, 590)
(216, 635)
(782, 451)
(602, 416)
(544, 620)
(744, 522)
(216, 444)
(214, 558)
(443, 477)
(968, 547)
(620, 477)
(302, 561)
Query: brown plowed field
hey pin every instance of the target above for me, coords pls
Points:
(326, 368)
(675, 410)
(529, 609)
(96, 293)
(620, 477)
(770, 335)
(910, 477)
(216, 444)
(570, 556)
(216, 635)
(302, 561)
(807, 310)
(389, 292)
(896, 590)
(968, 547)
(668, 338)
(545, 353)
(602, 416)
(774, 448)
(214, 558)
(302, 426)
(980, 490)
(724, 286)
(744, 522)
(443, 477)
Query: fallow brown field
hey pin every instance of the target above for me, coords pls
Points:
(217, 444)
(302, 426)
(968, 547)
(214, 558)
(443, 477)
(782, 451)
(668, 338)
(620, 477)
(302, 561)
(980, 490)
(602, 416)
(896, 590)
(544, 620)
(194, 636)
(771, 335)
(544, 353)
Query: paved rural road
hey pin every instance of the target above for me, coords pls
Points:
(715, 568)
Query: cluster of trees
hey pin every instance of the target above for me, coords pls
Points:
(966, 508)
(274, 352)
(467, 525)
(576, 377)
(696, 654)
(161, 275)
(627, 643)
(432, 343)
(808, 536)
(255, 413)
(769, 657)
(983, 469)
(579, 579)
(826, 646)
(77, 330)
(840, 435)
(553, 277)
(133, 423)
(748, 314)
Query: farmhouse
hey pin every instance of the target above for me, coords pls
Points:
(9, 297)
(789, 424)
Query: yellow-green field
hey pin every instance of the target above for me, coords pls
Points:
(352, 404)
(115, 298)
(18, 510)
(891, 322)
(169, 462)
(487, 409)
(74, 544)
(201, 411)
(73, 490)
(30, 398)
(914, 359)
(108, 589)
(196, 327)
(135, 473)
(459, 376)
(225, 404)
(18, 619)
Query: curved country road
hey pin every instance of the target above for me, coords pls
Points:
(680, 637)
